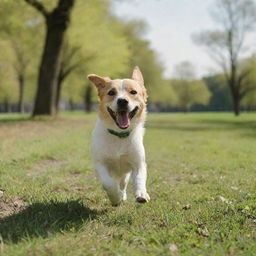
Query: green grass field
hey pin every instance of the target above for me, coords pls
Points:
(202, 170)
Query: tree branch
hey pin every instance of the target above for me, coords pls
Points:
(69, 70)
(39, 6)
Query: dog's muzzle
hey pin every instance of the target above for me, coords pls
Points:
(122, 117)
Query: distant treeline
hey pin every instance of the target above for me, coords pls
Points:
(219, 100)
(47, 48)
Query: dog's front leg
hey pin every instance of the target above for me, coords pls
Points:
(109, 184)
(139, 178)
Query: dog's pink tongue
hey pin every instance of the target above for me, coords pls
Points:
(123, 120)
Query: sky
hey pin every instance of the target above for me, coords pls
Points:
(171, 24)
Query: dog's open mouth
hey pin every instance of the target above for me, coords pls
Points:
(123, 118)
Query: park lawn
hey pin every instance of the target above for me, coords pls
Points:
(202, 170)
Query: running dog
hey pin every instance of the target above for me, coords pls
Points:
(117, 141)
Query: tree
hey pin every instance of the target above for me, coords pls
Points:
(56, 22)
(189, 90)
(226, 45)
(158, 89)
(68, 64)
(107, 57)
(18, 27)
(220, 97)
(8, 82)
(88, 98)
(249, 100)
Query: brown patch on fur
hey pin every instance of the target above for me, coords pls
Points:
(99, 81)
(140, 89)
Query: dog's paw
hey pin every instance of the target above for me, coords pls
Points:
(142, 197)
(124, 196)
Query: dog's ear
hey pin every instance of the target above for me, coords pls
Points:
(137, 76)
(100, 82)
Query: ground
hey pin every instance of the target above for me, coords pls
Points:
(201, 180)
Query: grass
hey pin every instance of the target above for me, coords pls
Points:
(202, 170)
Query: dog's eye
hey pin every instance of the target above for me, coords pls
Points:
(111, 93)
(133, 92)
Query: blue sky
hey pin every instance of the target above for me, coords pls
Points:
(171, 24)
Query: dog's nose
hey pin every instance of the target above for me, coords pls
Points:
(122, 102)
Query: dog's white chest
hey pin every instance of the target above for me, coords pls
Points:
(118, 154)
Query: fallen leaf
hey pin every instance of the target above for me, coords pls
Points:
(1, 193)
(186, 207)
(224, 200)
(203, 232)
(173, 247)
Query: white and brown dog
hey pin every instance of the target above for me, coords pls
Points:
(117, 143)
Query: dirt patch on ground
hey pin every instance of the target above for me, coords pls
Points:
(40, 167)
(12, 206)
(16, 131)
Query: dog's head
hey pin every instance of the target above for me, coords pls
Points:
(121, 100)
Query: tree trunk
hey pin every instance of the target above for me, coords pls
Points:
(56, 24)
(235, 97)
(88, 99)
(7, 106)
(71, 105)
(236, 105)
(185, 109)
(58, 92)
(21, 93)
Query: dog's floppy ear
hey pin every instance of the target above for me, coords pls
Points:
(137, 76)
(100, 82)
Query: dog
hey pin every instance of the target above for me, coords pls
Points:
(117, 141)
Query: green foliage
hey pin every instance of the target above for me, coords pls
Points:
(248, 67)
(143, 56)
(220, 94)
(189, 90)
(190, 93)
(249, 101)
(8, 81)
(18, 27)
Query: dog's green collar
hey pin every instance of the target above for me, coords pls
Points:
(120, 135)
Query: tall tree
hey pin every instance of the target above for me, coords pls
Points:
(69, 62)
(8, 81)
(221, 99)
(189, 90)
(226, 44)
(18, 27)
(56, 22)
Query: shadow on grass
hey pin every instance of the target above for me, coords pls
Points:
(45, 219)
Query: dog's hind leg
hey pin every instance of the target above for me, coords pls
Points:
(110, 185)
(123, 185)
